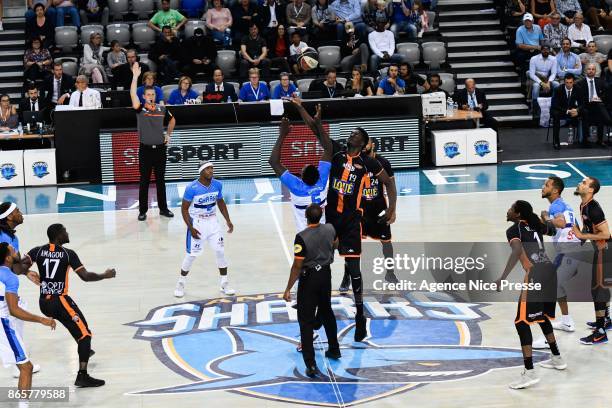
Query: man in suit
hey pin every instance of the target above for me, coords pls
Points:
(58, 87)
(33, 102)
(85, 97)
(595, 101)
(219, 86)
(472, 98)
(566, 104)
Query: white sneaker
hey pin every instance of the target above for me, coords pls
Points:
(540, 343)
(528, 378)
(35, 369)
(555, 362)
(179, 291)
(567, 326)
(226, 289)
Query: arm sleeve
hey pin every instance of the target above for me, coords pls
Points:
(532, 71)
(12, 284)
(553, 70)
(75, 262)
(299, 247)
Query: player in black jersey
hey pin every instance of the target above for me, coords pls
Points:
(343, 210)
(595, 229)
(54, 262)
(526, 241)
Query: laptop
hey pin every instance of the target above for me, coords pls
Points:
(32, 117)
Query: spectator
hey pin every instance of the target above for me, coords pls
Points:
(411, 80)
(541, 11)
(360, 85)
(515, 10)
(93, 11)
(598, 14)
(116, 58)
(244, 15)
(50, 12)
(568, 9)
(528, 37)
(567, 61)
(36, 61)
(93, 59)
(219, 22)
(609, 70)
(63, 7)
(392, 84)
(374, 10)
(595, 101)
(199, 54)
(9, 119)
(354, 51)
(348, 11)
(434, 85)
(166, 53)
(183, 95)
(579, 33)
(272, 14)
(286, 88)
(85, 97)
(58, 86)
(471, 97)
(542, 72)
(122, 75)
(592, 56)
(382, 44)
(402, 20)
(279, 48)
(323, 21)
(33, 103)
(220, 86)
(254, 53)
(420, 17)
(148, 80)
(167, 17)
(328, 88)
(41, 26)
(193, 8)
(299, 15)
(566, 104)
(555, 32)
(430, 4)
(254, 91)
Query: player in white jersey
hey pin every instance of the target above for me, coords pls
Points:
(12, 316)
(199, 210)
(560, 218)
(311, 187)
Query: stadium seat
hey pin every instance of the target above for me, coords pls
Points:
(66, 38)
(273, 84)
(226, 60)
(199, 88)
(448, 82)
(434, 54)
(119, 32)
(421, 89)
(329, 56)
(604, 43)
(410, 52)
(86, 31)
(143, 36)
(174, 4)
(341, 81)
(69, 65)
(192, 25)
(236, 86)
(143, 8)
(167, 90)
(144, 58)
(304, 84)
(247, 82)
(118, 8)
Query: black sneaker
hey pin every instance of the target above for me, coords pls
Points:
(142, 216)
(84, 380)
(345, 285)
(595, 338)
(361, 331)
(91, 353)
(166, 213)
(607, 324)
(312, 371)
(391, 278)
(334, 354)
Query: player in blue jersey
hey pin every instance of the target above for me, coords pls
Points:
(12, 316)
(199, 210)
(311, 186)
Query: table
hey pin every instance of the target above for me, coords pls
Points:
(27, 136)
(459, 115)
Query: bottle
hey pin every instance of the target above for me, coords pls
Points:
(593, 133)
(229, 99)
(570, 135)
(227, 38)
(20, 129)
(455, 107)
(449, 107)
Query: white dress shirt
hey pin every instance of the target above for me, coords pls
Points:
(584, 33)
(273, 20)
(542, 67)
(219, 87)
(591, 88)
(91, 99)
(380, 42)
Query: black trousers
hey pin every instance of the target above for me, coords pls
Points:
(152, 159)
(264, 67)
(556, 117)
(595, 113)
(314, 291)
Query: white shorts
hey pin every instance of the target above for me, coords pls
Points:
(210, 232)
(567, 268)
(300, 219)
(12, 347)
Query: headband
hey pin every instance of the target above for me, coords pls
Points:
(9, 211)
(204, 166)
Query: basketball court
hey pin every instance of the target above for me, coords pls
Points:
(206, 349)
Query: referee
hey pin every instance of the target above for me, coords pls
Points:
(314, 253)
(153, 143)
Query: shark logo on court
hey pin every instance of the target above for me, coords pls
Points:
(247, 345)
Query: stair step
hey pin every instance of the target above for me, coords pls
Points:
(11, 32)
(9, 53)
(461, 44)
(11, 84)
(513, 118)
(516, 95)
(466, 24)
(472, 34)
(484, 3)
(10, 74)
(494, 85)
(481, 65)
(508, 107)
(508, 74)
(477, 54)
(459, 13)
(5, 64)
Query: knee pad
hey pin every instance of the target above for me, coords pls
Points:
(524, 333)
(187, 262)
(84, 349)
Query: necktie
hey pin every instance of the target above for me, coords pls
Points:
(33, 106)
(81, 99)
(591, 90)
(218, 88)
(569, 96)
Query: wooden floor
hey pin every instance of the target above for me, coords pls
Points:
(148, 255)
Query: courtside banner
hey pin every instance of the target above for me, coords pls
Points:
(244, 150)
